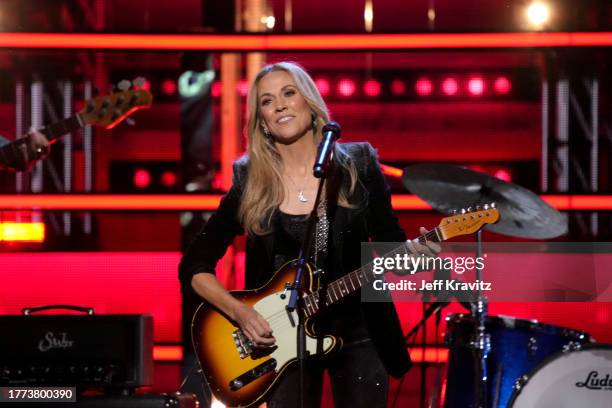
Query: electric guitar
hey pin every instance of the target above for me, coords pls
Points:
(240, 374)
(106, 111)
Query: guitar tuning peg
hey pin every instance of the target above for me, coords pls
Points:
(493, 205)
(486, 206)
(124, 85)
(478, 208)
(463, 211)
(139, 81)
(454, 212)
(469, 209)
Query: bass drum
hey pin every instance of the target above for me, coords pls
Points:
(517, 347)
(581, 378)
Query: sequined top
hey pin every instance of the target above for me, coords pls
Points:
(294, 225)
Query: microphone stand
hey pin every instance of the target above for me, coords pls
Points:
(423, 390)
(431, 309)
(482, 340)
(294, 304)
(443, 299)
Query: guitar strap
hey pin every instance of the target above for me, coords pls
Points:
(321, 236)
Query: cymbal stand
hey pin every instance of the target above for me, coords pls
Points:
(482, 341)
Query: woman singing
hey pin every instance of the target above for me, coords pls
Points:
(272, 195)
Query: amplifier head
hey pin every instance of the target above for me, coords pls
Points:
(78, 350)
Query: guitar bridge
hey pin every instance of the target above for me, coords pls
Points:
(244, 346)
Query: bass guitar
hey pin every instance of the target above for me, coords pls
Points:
(242, 375)
(105, 110)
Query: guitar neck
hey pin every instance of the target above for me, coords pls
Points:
(58, 129)
(352, 282)
(52, 132)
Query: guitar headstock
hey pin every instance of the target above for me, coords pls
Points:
(108, 110)
(469, 221)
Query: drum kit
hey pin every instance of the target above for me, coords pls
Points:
(500, 361)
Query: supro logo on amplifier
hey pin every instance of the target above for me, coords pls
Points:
(595, 382)
(52, 341)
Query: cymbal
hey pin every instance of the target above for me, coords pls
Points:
(523, 213)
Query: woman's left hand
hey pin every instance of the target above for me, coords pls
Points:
(430, 249)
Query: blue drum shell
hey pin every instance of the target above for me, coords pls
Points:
(517, 346)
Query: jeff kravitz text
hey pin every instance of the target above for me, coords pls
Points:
(435, 285)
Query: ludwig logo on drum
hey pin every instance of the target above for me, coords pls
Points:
(595, 382)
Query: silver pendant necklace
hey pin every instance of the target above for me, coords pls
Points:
(300, 196)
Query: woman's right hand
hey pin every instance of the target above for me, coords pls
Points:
(254, 326)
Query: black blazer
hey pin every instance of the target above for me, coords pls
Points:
(371, 219)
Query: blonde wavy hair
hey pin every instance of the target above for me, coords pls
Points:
(264, 190)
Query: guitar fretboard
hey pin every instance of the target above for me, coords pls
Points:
(60, 128)
(351, 282)
(10, 151)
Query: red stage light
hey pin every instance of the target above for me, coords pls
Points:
(168, 87)
(478, 168)
(423, 87)
(146, 85)
(292, 42)
(22, 231)
(142, 178)
(243, 87)
(346, 87)
(450, 87)
(476, 86)
(210, 202)
(502, 85)
(167, 353)
(215, 89)
(503, 174)
(371, 88)
(398, 87)
(323, 86)
(168, 179)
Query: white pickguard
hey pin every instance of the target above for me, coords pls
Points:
(272, 308)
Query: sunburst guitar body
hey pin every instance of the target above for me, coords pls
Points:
(237, 373)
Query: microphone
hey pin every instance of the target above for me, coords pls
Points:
(331, 133)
